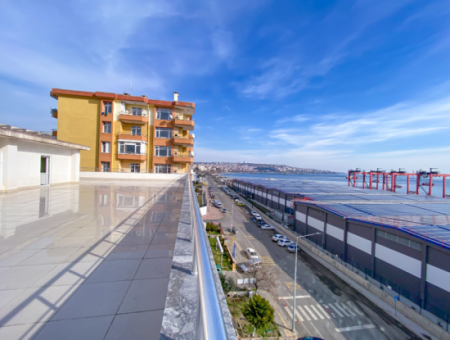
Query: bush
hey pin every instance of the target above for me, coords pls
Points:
(227, 284)
(258, 312)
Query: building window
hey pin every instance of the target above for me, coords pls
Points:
(106, 147)
(399, 239)
(136, 130)
(137, 111)
(108, 107)
(130, 148)
(135, 167)
(106, 127)
(163, 151)
(163, 133)
(104, 199)
(106, 167)
(162, 168)
(164, 114)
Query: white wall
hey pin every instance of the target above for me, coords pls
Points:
(21, 162)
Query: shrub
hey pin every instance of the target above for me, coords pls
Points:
(227, 285)
(258, 312)
(208, 226)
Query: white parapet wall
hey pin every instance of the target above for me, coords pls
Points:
(131, 175)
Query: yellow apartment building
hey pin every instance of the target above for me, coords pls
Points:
(126, 133)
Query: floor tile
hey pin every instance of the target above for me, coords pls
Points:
(159, 250)
(46, 256)
(127, 252)
(95, 299)
(154, 268)
(136, 326)
(119, 270)
(16, 256)
(22, 332)
(145, 295)
(67, 274)
(6, 296)
(23, 276)
(76, 329)
(91, 254)
(35, 305)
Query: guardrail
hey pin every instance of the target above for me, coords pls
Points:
(87, 169)
(130, 113)
(210, 320)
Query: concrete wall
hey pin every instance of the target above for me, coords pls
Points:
(134, 175)
(20, 162)
(78, 122)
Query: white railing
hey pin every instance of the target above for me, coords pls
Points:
(144, 113)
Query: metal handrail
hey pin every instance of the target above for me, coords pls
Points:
(181, 154)
(130, 113)
(184, 118)
(128, 133)
(210, 321)
(88, 169)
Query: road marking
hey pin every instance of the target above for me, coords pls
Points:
(348, 310)
(291, 297)
(325, 313)
(352, 305)
(250, 237)
(286, 331)
(304, 313)
(309, 311)
(354, 328)
(288, 310)
(341, 309)
(335, 309)
(290, 285)
(267, 260)
(299, 317)
(317, 312)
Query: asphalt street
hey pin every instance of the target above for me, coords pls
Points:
(326, 306)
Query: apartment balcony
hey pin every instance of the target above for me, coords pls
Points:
(164, 123)
(55, 134)
(185, 123)
(131, 157)
(131, 136)
(54, 113)
(179, 157)
(128, 117)
(183, 141)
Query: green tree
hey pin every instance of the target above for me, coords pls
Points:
(258, 312)
(226, 284)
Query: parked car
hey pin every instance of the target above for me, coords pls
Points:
(250, 265)
(252, 254)
(234, 230)
(254, 213)
(291, 248)
(260, 223)
(240, 203)
(278, 237)
(309, 338)
(223, 210)
(267, 227)
(284, 242)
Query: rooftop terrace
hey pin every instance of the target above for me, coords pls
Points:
(95, 261)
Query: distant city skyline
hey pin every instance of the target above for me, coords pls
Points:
(324, 85)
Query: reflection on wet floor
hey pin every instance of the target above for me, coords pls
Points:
(87, 260)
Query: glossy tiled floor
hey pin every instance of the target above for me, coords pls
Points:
(87, 261)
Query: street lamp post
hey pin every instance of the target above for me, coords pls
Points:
(295, 280)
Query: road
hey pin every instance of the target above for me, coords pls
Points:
(326, 306)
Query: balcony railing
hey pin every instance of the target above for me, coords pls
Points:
(87, 169)
(210, 321)
(128, 133)
(130, 113)
(184, 118)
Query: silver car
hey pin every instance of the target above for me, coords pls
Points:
(284, 242)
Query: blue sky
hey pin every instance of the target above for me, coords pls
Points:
(318, 84)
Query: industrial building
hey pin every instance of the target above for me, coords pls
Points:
(401, 241)
(126, 133)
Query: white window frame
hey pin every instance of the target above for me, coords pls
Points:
(106, 147)
(158, 149)
(135, 167)
(135, 144)
(159, 113)
(163, 168)
(108, 107)
(136, 130)
(159, 130)
(109, 127)
(136, 111)
(106, 166)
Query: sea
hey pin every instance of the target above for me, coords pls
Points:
(340, 179)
